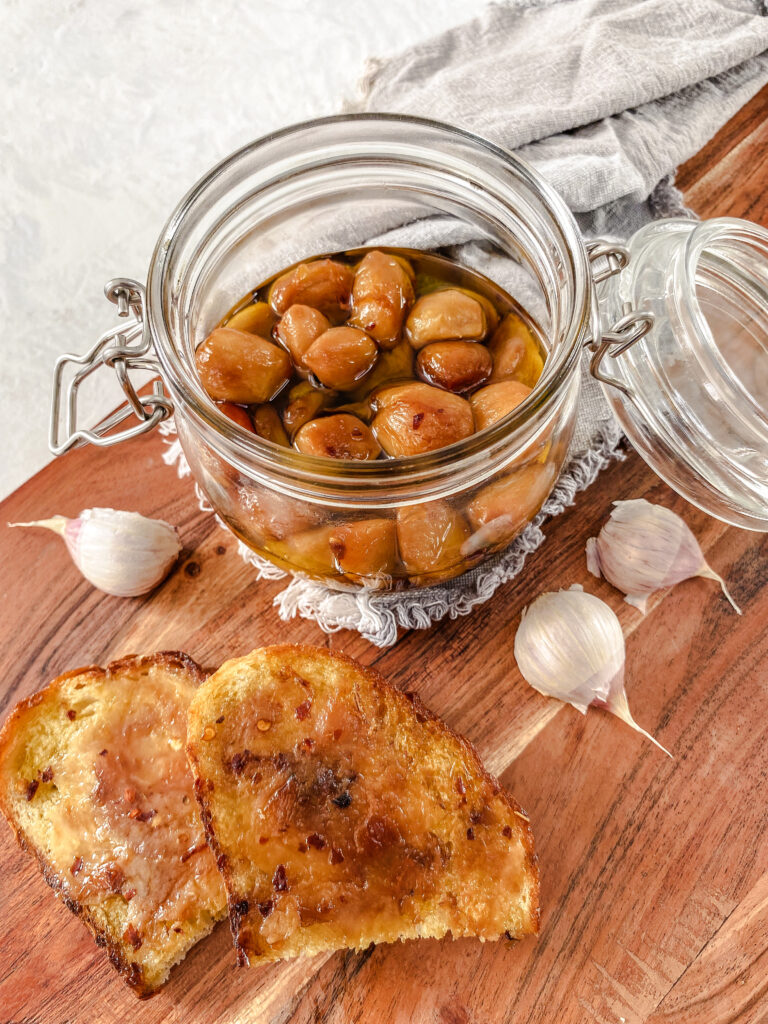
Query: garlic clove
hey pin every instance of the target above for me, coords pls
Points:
(570, 646)
(122, 553)
(643, 548)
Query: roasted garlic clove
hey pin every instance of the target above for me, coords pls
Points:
(308, 551)
(495, 401)
(501, 509)
(392, 366)
(491, 315)
(304, 403)
(267, 424)
(257, 318)
(235, 366)
(324, 284)
(366, 548)
(238, 415)
(340, 436)
(430, 538)
(382, 293)
(416, 418)
(515, 352)
(275, 515)
(341, 356)
(456, 366)
(298, 328)
(449, 315)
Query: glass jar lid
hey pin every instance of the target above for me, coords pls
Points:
(691, 393)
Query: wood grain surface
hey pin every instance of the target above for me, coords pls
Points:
(654, 871)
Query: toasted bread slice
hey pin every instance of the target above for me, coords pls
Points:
(95, 783)
(342, 812)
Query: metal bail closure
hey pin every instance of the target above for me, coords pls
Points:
(125, 348)
(608, 259)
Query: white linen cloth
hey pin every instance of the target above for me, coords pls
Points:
(605, 98)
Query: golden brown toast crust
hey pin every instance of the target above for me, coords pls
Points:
(218, 790)
(10, 734)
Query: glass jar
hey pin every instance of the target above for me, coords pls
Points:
(326, 187)
(693, 396)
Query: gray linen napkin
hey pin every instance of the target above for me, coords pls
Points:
(605, 98)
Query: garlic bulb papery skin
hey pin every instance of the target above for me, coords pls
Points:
(644, 547)
(122, 553)
(570, 645)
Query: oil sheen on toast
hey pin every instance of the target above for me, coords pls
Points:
(342, 812)
(94, 782)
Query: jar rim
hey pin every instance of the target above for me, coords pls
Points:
(183, 380)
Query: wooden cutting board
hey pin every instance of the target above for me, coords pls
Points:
(654, 871)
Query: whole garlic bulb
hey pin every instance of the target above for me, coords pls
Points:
(645, 547)
(570, 645)
(122, 553)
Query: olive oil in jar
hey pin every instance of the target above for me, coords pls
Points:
(378, 353)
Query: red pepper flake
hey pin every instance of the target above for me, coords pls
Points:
(279, 881)
(192, 851)
(134, 812)
(77, 865)
(371, 326)
(302, 711)
(470, 833)
(338, 547)
(337, 734)
(263, 840)
(475, 816)
(506, 832)
(129, 794)
(308, 743)
(114, 876)
(178, 929)
(238, 762)
(47, 774)
(336, 855)
(303, 847)
(418, 417)
(316, 841)
(128, 895)
(219, 720)
(265, 908)
(131, 936)
(103, 753)
(146, 815)
(32, 788)
(461, 789)
(71, 715)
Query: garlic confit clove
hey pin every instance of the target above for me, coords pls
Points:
(569, 645)
(645, 547)
(122, 553)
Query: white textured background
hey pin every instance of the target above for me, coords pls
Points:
(113, 108)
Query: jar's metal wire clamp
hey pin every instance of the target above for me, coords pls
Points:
(125, 348)
(608, 259)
